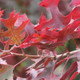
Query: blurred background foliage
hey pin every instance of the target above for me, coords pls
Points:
(30, 7)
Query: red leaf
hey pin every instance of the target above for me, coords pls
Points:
(9, 23)
(42, 19)
(47, 61)
(57, 20)
(46, 73)
(73, 76)
(60, 62)
(20, 19)
(47, 3)
(75, 14)
(1, 13)
(75, 2)
(29, 28)
(68, 31)
(14, 34)
(70, 70)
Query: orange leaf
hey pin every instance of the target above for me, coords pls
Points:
(13, 34)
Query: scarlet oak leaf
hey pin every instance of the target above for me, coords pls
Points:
(68, 31)
(42, 19)
(29, 28)
(57, 17)
(53, 38)
(46, 73)
(71, 69)
(58, 20)
(14, 34)
(73, 76)
(1, 13)
(47, 3)
(75, 14)
(42, 40)
(75, 2)
(20, 19)
(9, 23)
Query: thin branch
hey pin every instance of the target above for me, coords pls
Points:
(42, 56)
(48, 56)
(38, 56)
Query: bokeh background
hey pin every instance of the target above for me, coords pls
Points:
(30, 7)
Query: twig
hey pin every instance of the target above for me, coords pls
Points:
(48, 56)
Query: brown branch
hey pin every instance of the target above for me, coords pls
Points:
(67, 54)
(48, 56)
